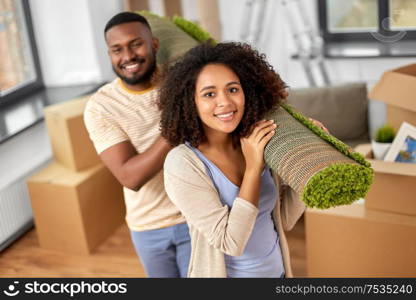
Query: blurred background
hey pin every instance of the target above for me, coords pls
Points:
(70, 47)
(52, 51)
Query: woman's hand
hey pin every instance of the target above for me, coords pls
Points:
(253, 146)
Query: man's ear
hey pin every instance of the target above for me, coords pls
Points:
(155, 44)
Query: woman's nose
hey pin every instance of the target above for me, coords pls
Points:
(222, 100)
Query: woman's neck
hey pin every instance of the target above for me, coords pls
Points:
(218, 141)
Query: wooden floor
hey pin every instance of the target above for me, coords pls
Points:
(114, 258)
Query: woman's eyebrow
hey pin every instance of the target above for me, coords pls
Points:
(213, 87)
(207, 88)
(233, 82)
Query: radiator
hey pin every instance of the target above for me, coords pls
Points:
(20, 157)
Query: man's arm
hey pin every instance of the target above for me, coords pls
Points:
(131, 169)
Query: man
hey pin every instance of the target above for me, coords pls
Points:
(123, 122)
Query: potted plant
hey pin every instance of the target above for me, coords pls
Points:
(382, 141)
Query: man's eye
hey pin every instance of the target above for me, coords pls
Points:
(116, 51)
(136, 45)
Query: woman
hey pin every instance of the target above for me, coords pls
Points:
(213, 101)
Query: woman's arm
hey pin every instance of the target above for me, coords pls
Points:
(192, 191)
(253, 151)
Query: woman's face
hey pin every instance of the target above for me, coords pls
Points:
(219, 98)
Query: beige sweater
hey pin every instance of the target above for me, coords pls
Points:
(215, 228)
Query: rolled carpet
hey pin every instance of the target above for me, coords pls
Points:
(324, 171)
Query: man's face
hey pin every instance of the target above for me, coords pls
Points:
(132, 51)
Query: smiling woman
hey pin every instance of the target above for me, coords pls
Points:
(213, 102)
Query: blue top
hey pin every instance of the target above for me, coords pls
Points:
(262, 256)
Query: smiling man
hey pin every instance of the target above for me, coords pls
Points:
(123, 122)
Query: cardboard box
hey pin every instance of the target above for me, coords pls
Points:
(351, 241)
(393, 188)
(397, 88)
(69, 138)
(75, 212)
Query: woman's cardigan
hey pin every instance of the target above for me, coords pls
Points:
(215, 228)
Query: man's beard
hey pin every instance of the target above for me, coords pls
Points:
(136, 79)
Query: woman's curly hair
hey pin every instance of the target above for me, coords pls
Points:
(263, 89)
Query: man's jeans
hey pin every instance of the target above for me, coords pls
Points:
(164, 252)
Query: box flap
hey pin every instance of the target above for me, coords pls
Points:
(56, 174)
(68, 109)
(395, 168)
(405, 169)
(358, 211)
(364, 149)
(397, 87)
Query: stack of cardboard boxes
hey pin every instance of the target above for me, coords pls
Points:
(377, 238)
(76, 201)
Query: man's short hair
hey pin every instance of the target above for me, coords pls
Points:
(125, 17)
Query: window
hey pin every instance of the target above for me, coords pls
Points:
(19, 64)
(358, 20)
(403, 14)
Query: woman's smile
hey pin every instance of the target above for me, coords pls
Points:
(226, 117)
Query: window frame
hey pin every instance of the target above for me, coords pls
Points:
(383, 12)
(37, 84)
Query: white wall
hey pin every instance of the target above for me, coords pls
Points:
(190, 9)
(70, 39)
(100, 11)
(277, 43)
(72, 48)
(274, 40)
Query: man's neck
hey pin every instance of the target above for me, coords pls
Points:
(140, 87)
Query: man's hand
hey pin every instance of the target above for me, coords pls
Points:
(319, 124)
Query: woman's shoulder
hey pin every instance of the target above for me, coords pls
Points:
(184, 164)
(181, 149)
(179, 152)
(182, 156)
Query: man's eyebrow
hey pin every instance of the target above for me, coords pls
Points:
(138, 39)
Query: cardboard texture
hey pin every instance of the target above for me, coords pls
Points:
(69, 138)
(396, 88)
(75, 212)
(350, 241)
(396, 115)
(393, 188)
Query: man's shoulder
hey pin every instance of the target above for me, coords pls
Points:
(106, 91)
(105, 94)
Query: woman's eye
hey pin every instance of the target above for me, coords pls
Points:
(210, 94)
(233, 90)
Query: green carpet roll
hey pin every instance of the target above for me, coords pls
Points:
(324, 171)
